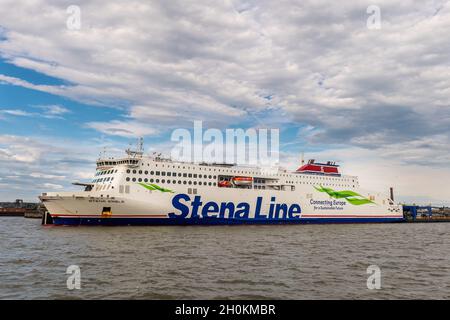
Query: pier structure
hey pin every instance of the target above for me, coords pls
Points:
(416, 213)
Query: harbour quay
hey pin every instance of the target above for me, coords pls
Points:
(19, 208)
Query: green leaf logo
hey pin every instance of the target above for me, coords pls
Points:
(153, 187)
(351, 196)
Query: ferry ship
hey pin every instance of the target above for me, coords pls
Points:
(140, 189)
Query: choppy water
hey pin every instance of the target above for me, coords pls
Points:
(229, 262)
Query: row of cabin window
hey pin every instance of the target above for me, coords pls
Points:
(172, 174)
(242, 172)
(103, 187)
(202, 168)
(247, 172)
(171, 181)
(100, 173)
(105, 179)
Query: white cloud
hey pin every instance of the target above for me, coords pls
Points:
(53, 111)
(33, 165)
(49, 112)
(175, 62)
(129, 129)
(52, 186)
(46, 176)
(16, 112)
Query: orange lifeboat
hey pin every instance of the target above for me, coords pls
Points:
(224, 184)
(242, 181)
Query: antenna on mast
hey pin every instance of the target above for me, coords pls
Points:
(303, 158)
(139, 150)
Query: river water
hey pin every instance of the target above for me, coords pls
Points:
(224, 262)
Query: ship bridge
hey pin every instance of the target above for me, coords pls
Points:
(132, 159)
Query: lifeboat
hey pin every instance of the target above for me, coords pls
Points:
(242, 181)
(224, 184)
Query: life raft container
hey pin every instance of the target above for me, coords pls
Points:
(242, 181)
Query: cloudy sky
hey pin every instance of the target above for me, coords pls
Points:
(374, 99)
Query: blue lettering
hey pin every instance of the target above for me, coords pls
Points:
(228, 210)
(243, 210)
(293, 211)
(195, 204)
(210, 207)
(184, 210)
(283, 207)
(227, 206)
(258, 214)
